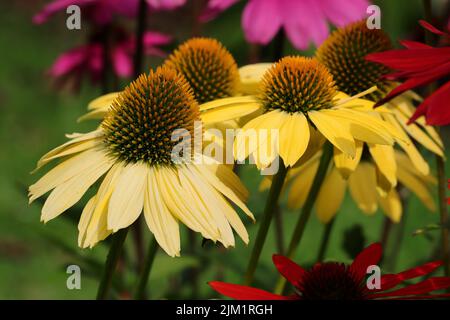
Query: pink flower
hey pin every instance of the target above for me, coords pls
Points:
(98, 11)
(165, 4)
(303, 20)
(89, 60)
(102, 11)
(214, 8)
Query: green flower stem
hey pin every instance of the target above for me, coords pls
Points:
(140, 29)
(325, 240)
(307, 208)
(443, 214)
(269, 211)
(118, 240)
(143, 277)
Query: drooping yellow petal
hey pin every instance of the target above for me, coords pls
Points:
(384, 159)
(221, 187)
(346, 164)
(335, 132)
(103, 101)
(66, 170)
(97, 229)
(66, 194)
(178, 198)
(406, 107)
(417, 185)
(416, 158)
(127, 199)
(79, 143)
(364, 126)
(363, 187)
(206, 200)
(294, 138)
(420, 136)
(85, 218)
(392, 205)
(302, 184)
(158, 217)
(330, 196)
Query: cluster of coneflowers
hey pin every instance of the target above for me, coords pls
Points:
(329, 136)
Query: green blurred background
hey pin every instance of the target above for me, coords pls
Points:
(35, 116)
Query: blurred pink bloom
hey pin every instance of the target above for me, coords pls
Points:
(165, 4)
(98, 11)
(102, 11)
(303, 20)
(89, 60)
(214, 8)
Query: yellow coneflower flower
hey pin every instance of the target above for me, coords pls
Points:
(299, 98)
(212, 72)
(133, 149)
(363, 187)
(343, 53)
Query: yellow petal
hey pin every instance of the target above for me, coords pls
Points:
(96, 114)
(159, 219)
(103, 101)
(207, 201)
(363, 187)
(229, 112)
(228, 102)
(420, 136)
(181, 204)
(407, 145)
(221, 187)
(302, 184)
(346, 164)
(84, 220)
(392, 206)
(79, 143)
(335, 132)
(97, 229)
(330, 196)
(127, 199)
(66, 170)
(418, 186)
(294, 138)
(384, 158)
(251, 76)
(364, 126)
(66, 194)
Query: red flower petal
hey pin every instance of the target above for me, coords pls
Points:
(389, 281)
(431, 28)
(369, 256)
(409, 44)
(435, 107)
(429, 285)
(288, 269)
(239, 292)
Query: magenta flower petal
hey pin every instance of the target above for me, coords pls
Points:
(56, 6)
(261, 20)
(343, 12)
(214, 8)
(122, 62)
(68, 61)
(165, 4)
(311, 26)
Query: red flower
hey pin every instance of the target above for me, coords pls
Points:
(420, 64)
(337, 281)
